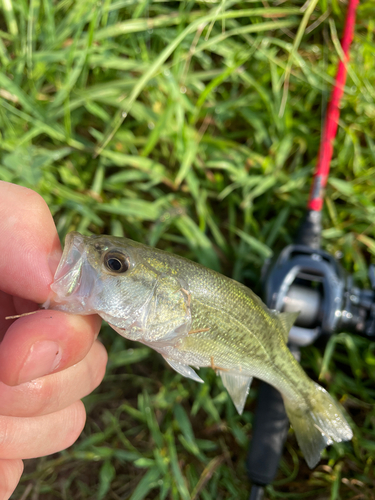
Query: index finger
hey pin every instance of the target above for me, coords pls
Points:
(30, 249)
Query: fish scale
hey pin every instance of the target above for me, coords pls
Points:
(195, 317)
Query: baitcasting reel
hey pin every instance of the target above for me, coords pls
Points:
(307, 279)
(312, 282)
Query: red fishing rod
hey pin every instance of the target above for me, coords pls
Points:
(310, 229)
(304, 278)
(332, 117)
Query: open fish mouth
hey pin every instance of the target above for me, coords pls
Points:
(74, 277)
(69, 271)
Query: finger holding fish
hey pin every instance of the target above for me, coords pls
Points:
(31, 251)
(54, 392)
(50, 433)
(43, 343)
(16, 444)
(29, 246)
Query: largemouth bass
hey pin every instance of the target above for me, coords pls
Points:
(195, 317)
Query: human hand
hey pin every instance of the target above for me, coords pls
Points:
(48, 360)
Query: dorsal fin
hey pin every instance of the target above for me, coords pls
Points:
(287, 320)
(238, 387)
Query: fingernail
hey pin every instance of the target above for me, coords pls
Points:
(44, 357)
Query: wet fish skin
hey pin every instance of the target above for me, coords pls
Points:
(195, 316)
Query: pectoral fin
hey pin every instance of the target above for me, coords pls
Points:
(184, 370)
(238, 387)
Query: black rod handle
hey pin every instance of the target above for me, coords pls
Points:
(270, 429)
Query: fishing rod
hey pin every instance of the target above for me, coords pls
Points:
(307, 279)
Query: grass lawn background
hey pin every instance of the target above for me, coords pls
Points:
(194, 127)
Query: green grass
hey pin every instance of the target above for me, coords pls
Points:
(171, 123)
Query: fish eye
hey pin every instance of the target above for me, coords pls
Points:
(116, 262)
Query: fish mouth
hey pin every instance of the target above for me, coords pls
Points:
(74, 278)
(69, 265)
(69, 270)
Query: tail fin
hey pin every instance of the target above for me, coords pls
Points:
(318, 425)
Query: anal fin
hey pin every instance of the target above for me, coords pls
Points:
(184, 370)
(238, 387)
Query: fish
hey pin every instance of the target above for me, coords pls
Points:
(196, 317)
